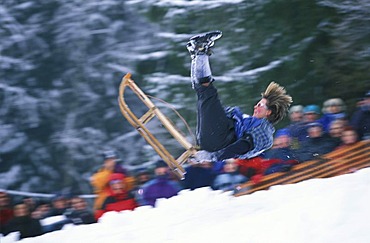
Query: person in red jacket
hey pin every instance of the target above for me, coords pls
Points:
(6, 210)
(119, 199)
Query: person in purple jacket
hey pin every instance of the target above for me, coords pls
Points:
(161, 186)
(228, 133)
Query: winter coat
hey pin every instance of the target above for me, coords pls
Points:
(360, 121)
(6, 214)
(314, 147)
(197, 177)
(117, 202)
(159, 187)
(78, 217)
(27, 226)
(261, 130)
(100, 180)
(284, 154)
(328, 118)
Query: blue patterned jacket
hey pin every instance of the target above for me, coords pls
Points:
(261, 130)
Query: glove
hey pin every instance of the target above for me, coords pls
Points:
(203, 156)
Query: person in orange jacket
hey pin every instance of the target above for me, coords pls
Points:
(119, 198)
(100, 180)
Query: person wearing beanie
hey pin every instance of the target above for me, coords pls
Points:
(161, 186)
(316, 145)
(360, 119)
(119, 197)
(230, 178)
(228, 133)
(99, 180)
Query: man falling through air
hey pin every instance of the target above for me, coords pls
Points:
(228, 133)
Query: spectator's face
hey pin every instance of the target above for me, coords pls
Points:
(310, 116)
(296, 116)
(109, 163)
(143, 178)
(334, 108)
(21, 210)
(230, 167)
(315, 132)
(336, 130)
(60, 203)
(78, 203)
(261, 109)
(161, 171)
(282, 141)
(117, 187)
(4, 199)
(349, 137)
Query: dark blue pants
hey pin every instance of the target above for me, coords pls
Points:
(215, 130)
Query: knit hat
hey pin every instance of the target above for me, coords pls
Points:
(296, 108)
(115, 177)
(311, 109)
(160, 164)
(314, 124)
(282, 132)
(109, 154)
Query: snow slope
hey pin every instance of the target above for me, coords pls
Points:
(317, 210)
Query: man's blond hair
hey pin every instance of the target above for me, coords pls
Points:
(278, 101)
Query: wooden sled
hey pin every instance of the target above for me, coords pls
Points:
(139, 125)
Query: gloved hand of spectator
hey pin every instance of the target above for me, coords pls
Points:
(203, 156)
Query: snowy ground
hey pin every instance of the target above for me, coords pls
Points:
(318, 210)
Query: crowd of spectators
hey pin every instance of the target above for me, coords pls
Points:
(33, 217)
(310, 133)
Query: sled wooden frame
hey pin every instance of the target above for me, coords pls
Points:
(139, 125)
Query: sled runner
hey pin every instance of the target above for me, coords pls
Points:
(140, 125)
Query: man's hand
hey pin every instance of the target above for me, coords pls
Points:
(203, 156)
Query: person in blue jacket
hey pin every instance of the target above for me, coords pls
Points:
(228, 133)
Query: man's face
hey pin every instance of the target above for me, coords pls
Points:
(315, 132)
(21, 210)
(261, 109)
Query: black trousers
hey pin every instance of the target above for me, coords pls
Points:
(215, 130)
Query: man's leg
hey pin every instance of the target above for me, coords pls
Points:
(214, 129)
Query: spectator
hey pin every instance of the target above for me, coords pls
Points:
(333, 109)
(311, 113)
(360, 120)
(296, 124)
(42, 209)
(317, 144)
(119, 197)
(100, 179)
(160, 186)
(335, 131)
(6, 210)
(199, 175)
(296, 114)
(230, 178)
(23, 223)
(59, 205)
(30, 202)
(78, 213)
(281, 157)
(282, 147)
(349, 137)
(142, 177)
(55, 219)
